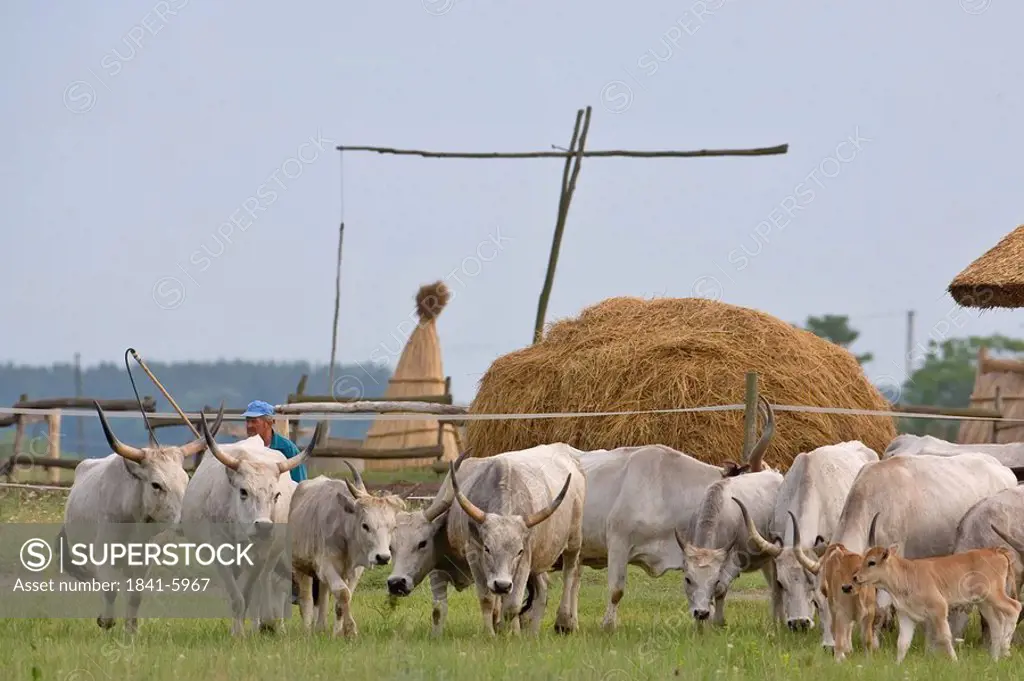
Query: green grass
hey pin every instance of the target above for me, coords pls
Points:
(655, 640)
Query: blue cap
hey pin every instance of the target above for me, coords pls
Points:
(258, 408)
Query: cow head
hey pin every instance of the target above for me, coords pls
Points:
(255, 485)
(419, 539)
(705, 576)
(367, 521)
(159, 471)
(794, 581)
(501, 540)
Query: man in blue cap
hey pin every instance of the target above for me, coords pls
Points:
(259, 420)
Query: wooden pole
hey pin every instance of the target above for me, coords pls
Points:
(19, 434)
(568, 188)
(750, 416)
(622, 153)
(79, 421)
(999, 408)
(337, 304)
(53, 431)
(170, 399)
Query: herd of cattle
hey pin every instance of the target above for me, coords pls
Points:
(926, 532)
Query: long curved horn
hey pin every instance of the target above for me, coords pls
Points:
(198, 445)
(295, 461)
(468, 506)
(801, 557)
(226, 459)
(356, 492)
(355, 475)
(542, 515)
(1014, 545)
(757, 453)
(440, 504)
(871, 530)
(127, 451)
(760, 542)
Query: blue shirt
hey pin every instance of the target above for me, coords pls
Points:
(289, 449)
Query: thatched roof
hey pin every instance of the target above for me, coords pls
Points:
(996, 279)
(419, 373)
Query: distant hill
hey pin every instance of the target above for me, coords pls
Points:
(193, 385)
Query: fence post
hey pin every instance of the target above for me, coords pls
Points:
(999, 408)
(53, 432)
(750, 416)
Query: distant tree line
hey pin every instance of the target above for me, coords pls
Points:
(192, 384)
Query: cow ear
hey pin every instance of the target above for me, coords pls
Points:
(346, 503)
(474, 532)
(894, 550)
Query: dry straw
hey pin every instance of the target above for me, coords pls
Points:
(996, 278)
(632, 354)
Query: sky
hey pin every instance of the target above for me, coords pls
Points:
(171, 181)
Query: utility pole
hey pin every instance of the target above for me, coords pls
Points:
(909, 359)
(80, 446)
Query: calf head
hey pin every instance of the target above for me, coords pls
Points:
(158, 471)
(255, 485)
(877, 566)
(501, 540)
(367, 522)
(418, 541)
(796, 584)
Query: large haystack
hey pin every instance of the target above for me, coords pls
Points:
(1005, 377)
(419, 373)
(996, 278)
(635, 354)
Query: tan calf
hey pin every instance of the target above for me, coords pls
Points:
(846, 603)
(924, 589)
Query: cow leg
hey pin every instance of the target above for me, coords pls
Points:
(323, 599)
(540, 603)
(566, 620)
(305, 584)
(718, 619)
(942, 637)
(227, 576)
(488, 604)
(825, 615)
(339, 588)
(106, 620)
(775, 594)
(439, 589)
(343, 607)
(905, 637)
(618, 558)
(131, 615)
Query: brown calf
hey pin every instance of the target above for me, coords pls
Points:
(924, 589)
(847, 604)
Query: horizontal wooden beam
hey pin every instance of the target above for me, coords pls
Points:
(295, 398)
(992, 398)
(336, 452)
(148, 404)
(947, 411)
(369, 406)
(622, 153)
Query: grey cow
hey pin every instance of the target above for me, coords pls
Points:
(993, 521)
(338, 529)
(637, 499)
(133, 485)
(510, 525)
(807, 511)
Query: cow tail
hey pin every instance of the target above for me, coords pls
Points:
(1011, 572)
(531, 590)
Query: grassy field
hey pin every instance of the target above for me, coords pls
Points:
(655, 640)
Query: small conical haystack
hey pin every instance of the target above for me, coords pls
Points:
(419, 373)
